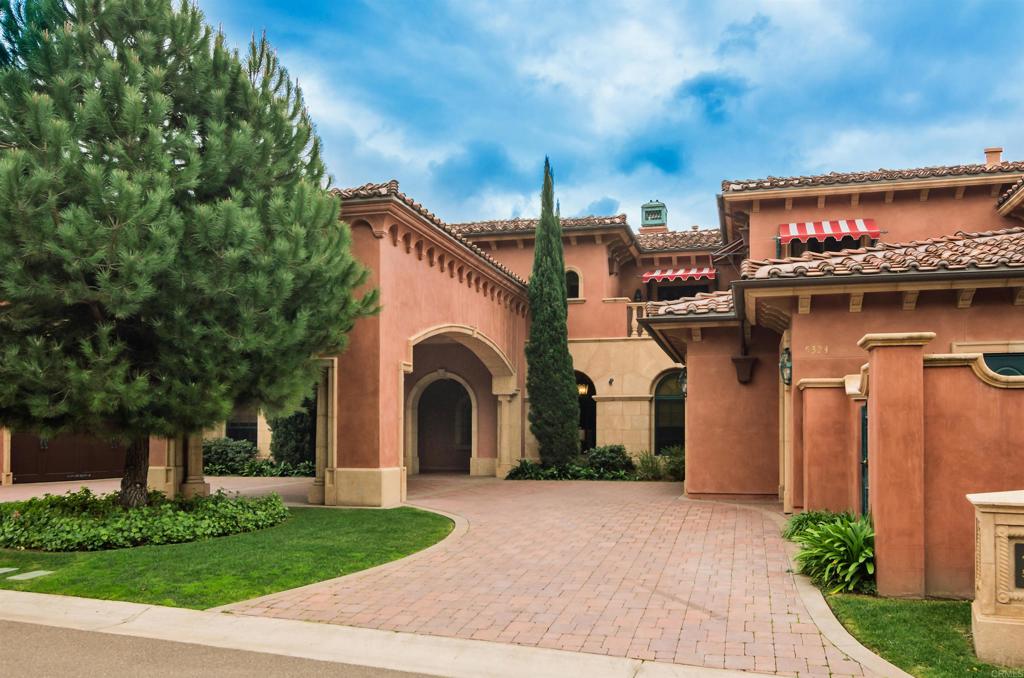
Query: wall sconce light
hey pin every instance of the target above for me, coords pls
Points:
(611, 380)
(786, 366)
(582, 389)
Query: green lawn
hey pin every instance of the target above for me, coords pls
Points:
(312, 545)
(927, 638)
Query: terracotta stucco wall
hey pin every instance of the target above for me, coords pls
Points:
(973, 443)
(824, 341)
(905, 218)
(460, 361)
(828, 474)
(415, 297)
(731, 428)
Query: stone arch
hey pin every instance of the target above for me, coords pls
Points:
(503, 374)
(412, 417)
(504, 387)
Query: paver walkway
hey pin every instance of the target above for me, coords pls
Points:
(618, 568)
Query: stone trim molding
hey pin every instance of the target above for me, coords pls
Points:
(1005, 591)
(605, 398)
(503, 374)
(887, 339)
(838, 382)
(857, 384)
(1009, 346)
(411, 453)
(976, 361)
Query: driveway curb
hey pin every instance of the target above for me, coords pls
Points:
(430, 655)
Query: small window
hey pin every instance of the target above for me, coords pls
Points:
(1006, 364)
(572, 284)
(796, 248)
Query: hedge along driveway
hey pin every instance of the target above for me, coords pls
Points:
(312, 545)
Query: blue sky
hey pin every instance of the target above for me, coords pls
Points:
(460, 101)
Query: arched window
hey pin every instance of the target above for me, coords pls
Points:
(670, 410)
(572, 285)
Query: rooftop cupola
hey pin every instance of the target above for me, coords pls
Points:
(654, 217)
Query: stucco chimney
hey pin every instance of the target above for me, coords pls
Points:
(653, 217)
(993, 155)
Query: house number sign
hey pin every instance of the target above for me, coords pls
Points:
(1018, 565)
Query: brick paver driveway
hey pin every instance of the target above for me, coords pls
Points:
(618, 568)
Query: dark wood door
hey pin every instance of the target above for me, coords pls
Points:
(35, 459)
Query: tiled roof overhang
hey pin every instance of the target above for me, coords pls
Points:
(733, 186)
(390, 191)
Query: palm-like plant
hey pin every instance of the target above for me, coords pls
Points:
(839, 555)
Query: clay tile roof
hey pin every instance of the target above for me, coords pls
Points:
(1010, 192)
(703, 304)
(737, 185)
(704, 239)
(966, 252)
(390, 190)
(530, 225)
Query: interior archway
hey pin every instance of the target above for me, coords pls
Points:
(588, 411)
(445, 425)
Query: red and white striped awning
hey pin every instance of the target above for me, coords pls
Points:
(838, 229)
(702, 273)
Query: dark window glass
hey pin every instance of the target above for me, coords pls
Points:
(572, 284)
(669, 412)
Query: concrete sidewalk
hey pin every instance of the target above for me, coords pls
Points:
(352, 647)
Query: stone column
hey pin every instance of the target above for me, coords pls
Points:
(896, 459)
(166, 465)
(6, 476)
(316, 491)
(508, 441)
(195, 485)
(997, 614)
(263, 435)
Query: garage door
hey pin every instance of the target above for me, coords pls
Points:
(66, 457)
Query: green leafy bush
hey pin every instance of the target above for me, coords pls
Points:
(294, 437)
(608, 459)
(650, 467)
(227, 457)
(83, 521)
(675, 462)
(574, 470)
(801, 522)
(840, 554)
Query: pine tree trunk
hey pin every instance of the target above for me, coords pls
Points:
(134, 490)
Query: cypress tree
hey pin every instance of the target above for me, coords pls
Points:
(550, 381)
(168, 245)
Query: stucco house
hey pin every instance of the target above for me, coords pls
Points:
(846, 341)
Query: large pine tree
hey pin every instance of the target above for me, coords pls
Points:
(550, 380)
(167, 243)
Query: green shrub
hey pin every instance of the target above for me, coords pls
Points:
(227, 457)
(608, 459)
(839, 555)
(675, 462)
(83, 521)
(573, 470)
(649, 467)
(800, 522)
(294, 437)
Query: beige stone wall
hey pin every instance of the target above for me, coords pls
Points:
(624, 372)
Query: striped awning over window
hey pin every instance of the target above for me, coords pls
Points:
(838, 229)
(702, 273)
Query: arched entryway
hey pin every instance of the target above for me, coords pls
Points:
(588, 411)
(669, 410)
(445, 427)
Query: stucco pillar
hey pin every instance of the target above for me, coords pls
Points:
(263, 435)
(509, 433)
(195, 484)
(6, 476)
(316, 491)
(896, 459)
(826, 444)
(166, 465)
